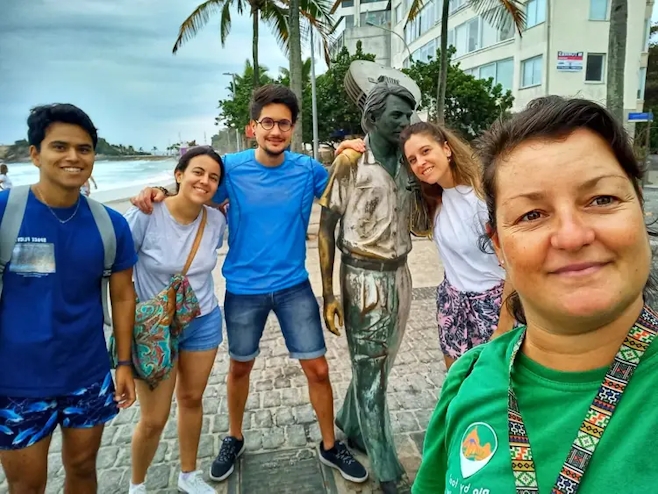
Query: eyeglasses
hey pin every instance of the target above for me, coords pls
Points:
(268, 124)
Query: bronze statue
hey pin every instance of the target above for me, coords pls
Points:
(377, 201)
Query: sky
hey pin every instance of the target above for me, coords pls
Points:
(113, 59)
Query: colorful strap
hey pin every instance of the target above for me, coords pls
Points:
(597, 418)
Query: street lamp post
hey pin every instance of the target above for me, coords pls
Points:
(368, 23)
(314, 100)
(237, 131)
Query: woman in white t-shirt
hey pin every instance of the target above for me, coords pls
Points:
(5, 181)
(163, 240)
(470, 297)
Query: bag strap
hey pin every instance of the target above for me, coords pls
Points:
(106, 229)
(10, 225)
(197, 241)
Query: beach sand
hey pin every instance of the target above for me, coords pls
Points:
(424, 264)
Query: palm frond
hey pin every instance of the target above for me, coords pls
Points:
(277, 18)
(225, 23)
(501, 13)
(414, 9)
(197, 20)
(335, 6)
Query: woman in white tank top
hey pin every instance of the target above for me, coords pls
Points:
(470, 297)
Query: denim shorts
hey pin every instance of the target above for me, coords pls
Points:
(26, 421)
(298, 313)
(203, 333)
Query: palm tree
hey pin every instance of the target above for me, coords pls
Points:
(275, 13)
(306, 73)
(617, 57)
(498, 13)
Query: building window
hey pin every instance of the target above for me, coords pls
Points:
(531, 72)
(376, 18)
(398, 14)
(535, 11)
(502, 72)
(455, 4)
(370, 1)
(347, 3)
(488, 71)
(349, 21)
(598, 10)
(473, 34)
(505, 73)
(647, 35)
(642, 83)
(594, 70)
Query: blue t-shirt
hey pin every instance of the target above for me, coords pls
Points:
(51, 315)
(268, 216)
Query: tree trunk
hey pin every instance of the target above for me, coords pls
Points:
(296, 70)
(254, 46)
(617, 57)
(443, 74)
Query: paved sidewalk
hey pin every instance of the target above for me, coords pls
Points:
(280, 427)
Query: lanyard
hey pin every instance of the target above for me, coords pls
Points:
(597, 418)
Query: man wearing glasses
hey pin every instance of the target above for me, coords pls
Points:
(270, 191)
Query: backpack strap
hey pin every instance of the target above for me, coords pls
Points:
(108, 236)
(11, 224)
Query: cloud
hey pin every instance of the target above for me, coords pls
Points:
(113, 59)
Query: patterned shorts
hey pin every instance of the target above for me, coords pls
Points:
(26, 421)
(466, 319)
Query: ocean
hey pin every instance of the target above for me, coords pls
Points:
(116, 180)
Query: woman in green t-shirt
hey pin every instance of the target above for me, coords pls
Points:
(566, 403)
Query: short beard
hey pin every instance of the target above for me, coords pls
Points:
(273, 154)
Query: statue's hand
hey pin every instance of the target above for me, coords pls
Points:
(332, 309)
(357, 145)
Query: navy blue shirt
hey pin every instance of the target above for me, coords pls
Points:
(51, 315)
(268, 216)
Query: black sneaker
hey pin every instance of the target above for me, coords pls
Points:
(224, 464)
(340, 458)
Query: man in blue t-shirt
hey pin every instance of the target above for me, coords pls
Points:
(271, 193)
(54, 364)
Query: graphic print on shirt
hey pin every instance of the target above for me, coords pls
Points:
(478, 445)
(33, 257)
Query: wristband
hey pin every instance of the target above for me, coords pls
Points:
(164, 190)
(127, 363)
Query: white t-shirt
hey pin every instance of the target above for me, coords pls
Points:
(458, 225)
(162, 246)
(5, 182)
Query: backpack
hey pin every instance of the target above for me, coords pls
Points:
(13, 219)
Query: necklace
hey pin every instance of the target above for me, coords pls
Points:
(77, 205)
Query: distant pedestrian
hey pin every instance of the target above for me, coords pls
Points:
(86, 187)
(5, 181)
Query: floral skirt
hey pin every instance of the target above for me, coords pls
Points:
(466, 319)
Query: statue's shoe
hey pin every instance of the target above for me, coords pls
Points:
(389, 487)
(357, 445)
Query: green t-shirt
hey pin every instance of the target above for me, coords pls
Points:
(466, 447)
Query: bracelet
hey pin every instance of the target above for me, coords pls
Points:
(127, 363)
(164, 190)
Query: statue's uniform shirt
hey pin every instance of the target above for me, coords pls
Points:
(375, 207)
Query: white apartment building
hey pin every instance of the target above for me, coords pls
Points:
(368, 21)
(563, 49)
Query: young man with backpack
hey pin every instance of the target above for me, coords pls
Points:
(59, 254)
(270, 191)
